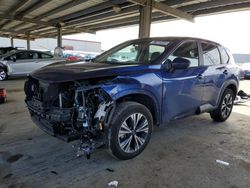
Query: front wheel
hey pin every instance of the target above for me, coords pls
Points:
(225, 107)
(130, 130)
(3, 75)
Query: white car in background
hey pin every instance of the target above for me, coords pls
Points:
(23, 62)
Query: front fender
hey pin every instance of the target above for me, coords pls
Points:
(4, 67)
(121, 87)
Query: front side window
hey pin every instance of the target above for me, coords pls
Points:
(211, 55)
(189, 51)
(35, 55)
(139, 52)
(24, 55)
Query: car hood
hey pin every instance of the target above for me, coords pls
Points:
(64, 71)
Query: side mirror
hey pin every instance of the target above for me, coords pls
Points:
(180, 63)
(13, 58)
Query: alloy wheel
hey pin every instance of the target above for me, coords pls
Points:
(133, 133)
(227, 105)
(3, 75)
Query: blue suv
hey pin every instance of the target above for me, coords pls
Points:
(117, 98)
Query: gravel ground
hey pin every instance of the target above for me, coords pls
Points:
(181, 154)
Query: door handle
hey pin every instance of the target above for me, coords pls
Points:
(219, 68)
(225, 72)
(199, 76)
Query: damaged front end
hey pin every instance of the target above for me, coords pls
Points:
(71, 111)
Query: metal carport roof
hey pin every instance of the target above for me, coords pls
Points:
(40, 18)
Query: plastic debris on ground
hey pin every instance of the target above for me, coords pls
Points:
(113, 183)
(222, 162)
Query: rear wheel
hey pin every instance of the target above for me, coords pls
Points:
(3, 74)
(225, 107)
(130, 130)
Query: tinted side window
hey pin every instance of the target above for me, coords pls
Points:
(188, 50)
(224, 55)
(45, 56)
(23, 55)
(211, 55)
(34, 55)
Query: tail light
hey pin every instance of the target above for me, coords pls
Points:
(3, 92)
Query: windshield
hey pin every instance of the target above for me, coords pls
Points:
(8, 54)
(136, 52)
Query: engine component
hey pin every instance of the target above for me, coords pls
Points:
(70, 111)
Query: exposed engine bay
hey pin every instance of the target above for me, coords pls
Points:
(71, 111)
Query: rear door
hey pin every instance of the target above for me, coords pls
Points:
(46, 59)
(215, 72)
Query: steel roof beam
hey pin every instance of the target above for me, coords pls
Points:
(61, 8)
(17, 6)
(28, 20)
(13, 10)
(103, 16)
(162, 7)
(72, 29)
(212, 4)
(156, 16)
(17, 32)
(223, 9)
(238, 6)
(39, 22)
(33, 7)
(15, 36)
(84, 12)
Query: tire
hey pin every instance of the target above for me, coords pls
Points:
(3, 75)
(127, 140)
(225, 107)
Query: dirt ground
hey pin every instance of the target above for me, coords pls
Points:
(181, 154)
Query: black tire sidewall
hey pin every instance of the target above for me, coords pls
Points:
(123, 111)
(218, 112)
(5, 73)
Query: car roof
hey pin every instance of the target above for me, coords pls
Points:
(173, 38)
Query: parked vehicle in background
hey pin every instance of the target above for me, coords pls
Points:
(116, 101)
(4, 50)
(3, 95)
(72, 55)
(245, 67)
(23, 62)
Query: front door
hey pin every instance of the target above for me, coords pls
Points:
(22, 63)
(182, 89)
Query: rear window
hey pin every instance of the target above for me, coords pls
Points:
(224, 55)
(210, 53)
(45, 56)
